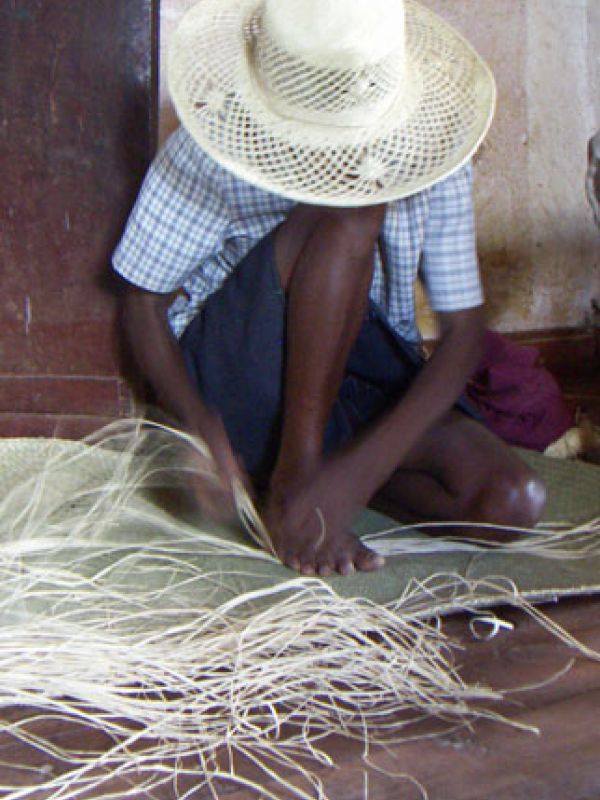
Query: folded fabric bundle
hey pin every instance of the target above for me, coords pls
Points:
(519, 398)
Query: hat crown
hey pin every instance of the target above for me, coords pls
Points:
(342, 34)
(335, 62)
(338, 102)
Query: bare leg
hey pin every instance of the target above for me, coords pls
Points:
(457, 471)
(324, 257)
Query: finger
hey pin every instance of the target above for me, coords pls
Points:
(214, 502)
(244, 477)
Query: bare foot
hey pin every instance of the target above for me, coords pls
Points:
(308, 519)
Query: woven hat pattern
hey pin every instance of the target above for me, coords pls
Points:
(329, 135)
(306, 92)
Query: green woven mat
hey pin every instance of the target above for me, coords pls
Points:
(574, 496)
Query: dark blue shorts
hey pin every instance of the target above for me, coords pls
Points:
(234, 351)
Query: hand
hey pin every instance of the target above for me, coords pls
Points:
(213, 482)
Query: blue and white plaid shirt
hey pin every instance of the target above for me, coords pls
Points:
(194, 222)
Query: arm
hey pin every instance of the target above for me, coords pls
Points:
(159, 359)
(154, 258)
(375, 457)
(158, 356)
(450, 273)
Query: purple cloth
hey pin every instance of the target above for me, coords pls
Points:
(519, 399)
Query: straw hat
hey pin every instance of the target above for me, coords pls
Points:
(335, 102)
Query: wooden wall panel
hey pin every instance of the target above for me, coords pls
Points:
(76, 135)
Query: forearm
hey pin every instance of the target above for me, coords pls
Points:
(381, 450)
(161, 363)
(159, 358)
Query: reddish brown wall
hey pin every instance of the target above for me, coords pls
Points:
(75, 139)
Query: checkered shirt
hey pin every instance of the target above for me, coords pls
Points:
(194, 222)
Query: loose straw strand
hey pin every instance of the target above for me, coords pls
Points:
(135, 624)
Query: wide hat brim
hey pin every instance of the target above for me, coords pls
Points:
(409, 148)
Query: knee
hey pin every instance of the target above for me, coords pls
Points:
(514, 497)
(356, 228)
(348, 233)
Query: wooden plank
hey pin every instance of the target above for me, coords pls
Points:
(60, 394)
(61, 426)
(77, 102)
(492, 760)
(489, 761)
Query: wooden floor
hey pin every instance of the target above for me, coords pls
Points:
(493, 762)
(489, 762)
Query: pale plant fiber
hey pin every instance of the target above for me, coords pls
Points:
(114, 616)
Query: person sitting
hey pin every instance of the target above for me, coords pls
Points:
(270, 261)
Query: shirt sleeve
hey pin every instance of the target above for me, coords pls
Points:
(449, 266)
(177, 221)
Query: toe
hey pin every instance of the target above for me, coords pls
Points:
(324, 565)
(292, 561)
(308, 561)
(366, 560)
(345, 565)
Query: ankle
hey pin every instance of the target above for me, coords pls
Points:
(290, 473)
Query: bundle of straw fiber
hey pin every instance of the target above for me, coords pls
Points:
(184, 650)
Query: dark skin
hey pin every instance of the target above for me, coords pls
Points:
(424, 457)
